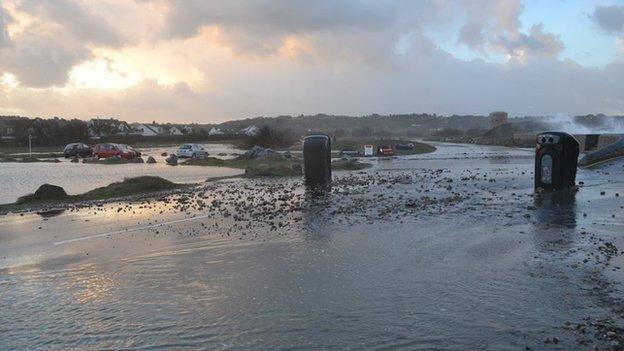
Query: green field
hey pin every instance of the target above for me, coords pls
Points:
(358, 145)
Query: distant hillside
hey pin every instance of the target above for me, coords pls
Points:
(14, 130)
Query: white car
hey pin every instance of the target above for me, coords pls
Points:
(191, 151)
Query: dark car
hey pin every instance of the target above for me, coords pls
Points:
(77, 149)
(385, 150)
(408, 146)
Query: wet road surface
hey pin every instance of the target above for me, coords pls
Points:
(448, 250)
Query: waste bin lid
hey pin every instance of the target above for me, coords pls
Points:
(317, 136)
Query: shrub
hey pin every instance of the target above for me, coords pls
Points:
(268, 137)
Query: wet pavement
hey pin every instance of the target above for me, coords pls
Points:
(449, 250)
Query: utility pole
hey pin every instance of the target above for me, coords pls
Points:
(30, 130)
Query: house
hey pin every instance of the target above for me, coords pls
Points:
(175, 131)
(215, 131)
(251, 130)
(7, 131)
(146, 129)
(188, 129)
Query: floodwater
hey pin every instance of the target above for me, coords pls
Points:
(447, 251)
(19, 179)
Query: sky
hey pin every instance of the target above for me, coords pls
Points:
(209, 61)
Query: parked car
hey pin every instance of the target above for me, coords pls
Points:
(111, 150)
(385, 150)
(77, 149)
(408, 146)
(349, 152)
(191, 151)
(136, 152)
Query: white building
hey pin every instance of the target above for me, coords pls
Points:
(188, 129)
(146, 129)
(215, 131)
(175, 131)
(251, 130)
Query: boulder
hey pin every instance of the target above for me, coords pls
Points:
(164, 154)
(150, 160)
(259, 152)
(49, 192)
(172, 160)
(113, 160)
(256, 152)
(136, 160)
(74, 159)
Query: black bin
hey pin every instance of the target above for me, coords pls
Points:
(317, 159)
(556, 158)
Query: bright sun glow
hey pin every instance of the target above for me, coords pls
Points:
(101, 74)
(9, 80)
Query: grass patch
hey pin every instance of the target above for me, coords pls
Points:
(358, 145)
(273, 166)
(129, 186)
(349, 165)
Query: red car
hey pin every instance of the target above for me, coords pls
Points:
(112, 150)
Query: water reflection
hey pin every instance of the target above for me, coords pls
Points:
(499, 159)
(555, 220)
(315, 214)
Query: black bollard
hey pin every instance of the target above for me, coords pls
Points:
(556, 159)
(317, 159)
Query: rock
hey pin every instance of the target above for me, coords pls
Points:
(113, 160)
(296, 168)
(74, 159)
(49, 192)
(164, 154)
(136, 160)
(287, 154)
(258, 151)
(150, 160)
(172, 160)
(89, 160)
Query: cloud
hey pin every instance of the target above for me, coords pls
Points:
(40, 61)
(259, 27)
(496, 27)
(84, 25)
(533, 45)
(5, 18)
(609, 18)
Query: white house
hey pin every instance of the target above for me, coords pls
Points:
(188, 129)
(215, 131)
(146, 129)
(175, 131)
(251, 130)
